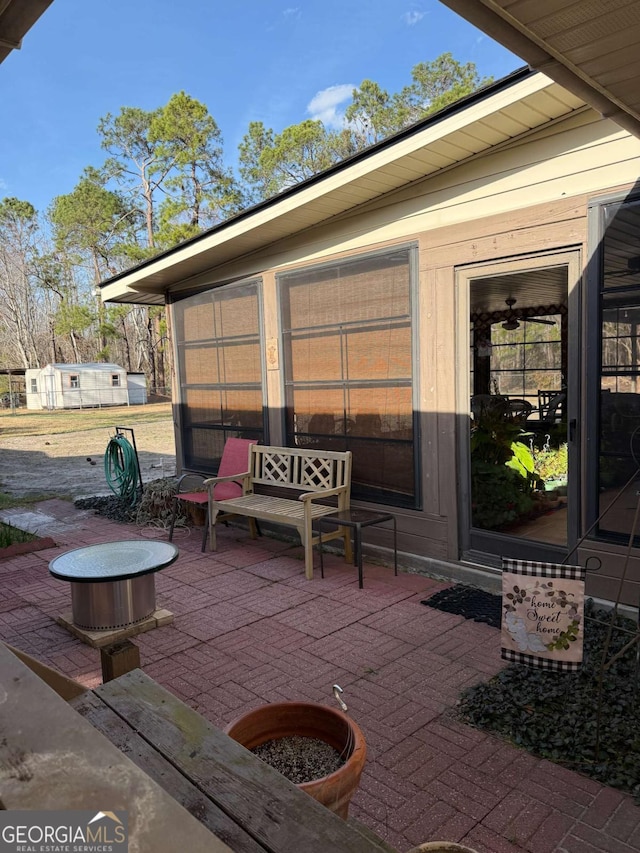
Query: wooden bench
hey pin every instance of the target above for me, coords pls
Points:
(317, 474)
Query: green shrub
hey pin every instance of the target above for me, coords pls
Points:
(502, 471)
(500, 495)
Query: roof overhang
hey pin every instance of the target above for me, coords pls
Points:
(591, 47)
(510, 109)
(16, 19)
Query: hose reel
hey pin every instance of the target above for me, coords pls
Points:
(122, 467)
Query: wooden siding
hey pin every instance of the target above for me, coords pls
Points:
(605, 582)
(528, 198)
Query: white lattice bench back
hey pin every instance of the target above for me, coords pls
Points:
(313, 471)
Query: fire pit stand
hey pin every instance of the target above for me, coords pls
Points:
(113, 584)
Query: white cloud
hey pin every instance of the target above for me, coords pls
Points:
(412, 18)
(292, 12)
(324, 105)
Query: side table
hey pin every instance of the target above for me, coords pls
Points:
(356, 519)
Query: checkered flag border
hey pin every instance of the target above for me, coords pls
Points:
(541, 663)
(543, 570)
(531, 568)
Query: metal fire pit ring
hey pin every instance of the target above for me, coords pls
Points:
(113, 584)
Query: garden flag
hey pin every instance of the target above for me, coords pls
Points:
(542, 614)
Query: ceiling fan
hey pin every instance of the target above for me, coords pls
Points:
(512, 322)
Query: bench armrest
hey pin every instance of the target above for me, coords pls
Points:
(232, 478)
(325, 493)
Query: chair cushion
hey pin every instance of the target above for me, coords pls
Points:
(235, 460)
(224, 491)
(235, 456)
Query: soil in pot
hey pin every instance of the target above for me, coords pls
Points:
(310, 721)
(300, 759)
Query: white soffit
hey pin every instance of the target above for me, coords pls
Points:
(592, 47)
(506, 114)
(16, 18)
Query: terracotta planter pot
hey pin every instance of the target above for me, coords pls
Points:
(286, 719)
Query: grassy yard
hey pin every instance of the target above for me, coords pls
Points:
(25, 423)
(11, 535)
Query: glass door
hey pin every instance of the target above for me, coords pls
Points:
(615, 373)
(517, 444)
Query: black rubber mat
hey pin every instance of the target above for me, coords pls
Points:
(468, 602)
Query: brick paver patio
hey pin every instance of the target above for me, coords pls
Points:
(250, 629)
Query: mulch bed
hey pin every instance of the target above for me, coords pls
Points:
(108, 506)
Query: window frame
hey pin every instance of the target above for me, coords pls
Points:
(74, 381)
(598, 296)
(526, 348)
(210, 465)
(387, 498)
(115, 380)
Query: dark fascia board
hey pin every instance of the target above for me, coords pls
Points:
(457, 107)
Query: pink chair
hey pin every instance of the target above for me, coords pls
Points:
(235, 461)
(192, 489)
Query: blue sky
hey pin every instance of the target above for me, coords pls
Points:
(247, 60)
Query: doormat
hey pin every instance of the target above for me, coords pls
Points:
(475, 604)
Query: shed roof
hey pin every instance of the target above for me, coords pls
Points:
(89, 365)
(494, 116)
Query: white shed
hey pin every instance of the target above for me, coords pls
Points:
(76, 386)
(137, 385)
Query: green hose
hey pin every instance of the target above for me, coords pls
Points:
(121, 469)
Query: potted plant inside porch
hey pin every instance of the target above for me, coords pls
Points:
(503, 478)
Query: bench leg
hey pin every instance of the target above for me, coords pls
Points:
(348, 551)
(253, 527)
(213, 514)
(205, 530)
(306, 534)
